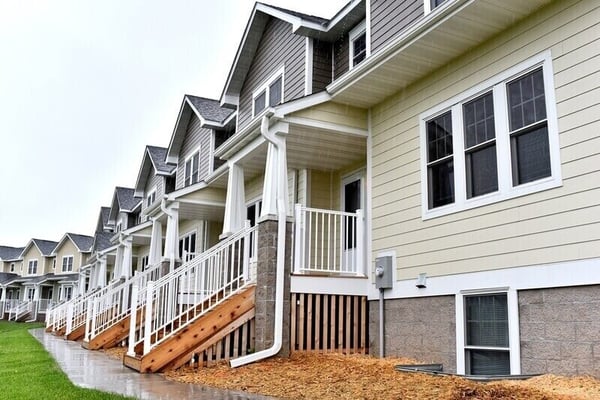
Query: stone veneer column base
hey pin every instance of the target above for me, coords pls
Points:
(266, 275)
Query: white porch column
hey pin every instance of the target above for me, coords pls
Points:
(276, 179)
(93, 276)
(155, 243)
(235, 201)
(101, 272)
(36, 292)
(119, 261)
(81, 283)
(172, 236)
(3, 298)
(126, 267)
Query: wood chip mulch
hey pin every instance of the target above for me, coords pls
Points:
(335, 376)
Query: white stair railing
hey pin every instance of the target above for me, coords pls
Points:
(329, 242)
(20, 310)
(194, 288)
(107, 308)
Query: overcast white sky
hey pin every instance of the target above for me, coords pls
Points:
(84, 86)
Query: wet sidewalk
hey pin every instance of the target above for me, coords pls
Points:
(92, 369)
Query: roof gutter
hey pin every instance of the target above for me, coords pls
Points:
(279, 144)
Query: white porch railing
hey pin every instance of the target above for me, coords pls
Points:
(44, 305)
(109, 307)
(9, 304)
(329, 242)
(188, 292)
(20, 310)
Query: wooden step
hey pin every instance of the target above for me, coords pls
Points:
(76, 334)
(197, 334)
(114, 334)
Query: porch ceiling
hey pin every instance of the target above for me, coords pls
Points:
(321, 149)
(196, 211)
(445, 34)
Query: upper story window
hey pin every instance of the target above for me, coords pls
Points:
(67, 264)
(12, 267)
(494, 142)
(432, 4)
(269, 94)
(144, 262)
(358, 44)
(151, 198)
(32, 267)
(192, 169)
(118, 227)
(54, 264)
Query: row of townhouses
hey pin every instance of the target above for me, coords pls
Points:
(412, 178)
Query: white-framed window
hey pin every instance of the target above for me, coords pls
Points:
(54, 264)
(151, 197)
(430, 5)
(496, 141)
(32, 267)
(118, 227)
(270, 93)
(67, 264)
(12, 267)
(358, 44)
(187, 246)
(192, 169)
(30, 293)
(487, 332)
(65, 293)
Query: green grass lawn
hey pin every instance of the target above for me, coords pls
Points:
(27, 371)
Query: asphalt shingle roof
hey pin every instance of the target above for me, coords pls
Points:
(126, 199)
(10, 253)
(102, 240)
(7, 277)
(83, 242)
(45, 246)
(105, 212)
(159, 156)
(210, 109)
(307, 17)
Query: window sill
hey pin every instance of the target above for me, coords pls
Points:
(492, 198)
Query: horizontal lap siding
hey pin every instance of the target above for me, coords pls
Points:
(556, 225)
(390, 17)
(341, 57)
(155, 182)
(322, 65)
(195, 137)
(278, 47)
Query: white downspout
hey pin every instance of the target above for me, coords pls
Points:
(281, 225)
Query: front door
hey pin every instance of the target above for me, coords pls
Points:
(352, 200)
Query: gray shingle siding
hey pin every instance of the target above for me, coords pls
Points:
(195, 137)
(341, 56)
(322, 65)
(278, 46)
(390, 17)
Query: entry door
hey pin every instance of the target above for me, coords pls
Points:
(352, 200)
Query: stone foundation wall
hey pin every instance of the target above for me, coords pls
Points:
(422, 328)
(266, 276)
(560, 330)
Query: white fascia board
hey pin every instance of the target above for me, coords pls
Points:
(137, 228)
(301, 103)
(170, 157)
(443, 12)
(329, 285)
(216, 174)
(226, 148)
(142, 177)
(186, 190)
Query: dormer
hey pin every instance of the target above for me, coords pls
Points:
(202, 126)
(103, 224)
(10, 259)
(124, 210)
(285, 55)
(155, 178)
(38, 258)
(71, 252)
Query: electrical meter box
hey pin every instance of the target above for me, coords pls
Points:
(383, 272)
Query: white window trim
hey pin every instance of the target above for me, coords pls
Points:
(352, 35)
(149, 195)
(186, 235)
(37, 264)
(189, 157)
(12, 267)
(514, 343)
(265, 87)
(211, 153)
(427, 6)
(308, 67)
(505, 189)
(62, 263)
(358, 175)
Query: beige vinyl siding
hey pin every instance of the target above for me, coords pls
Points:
(324, 190)
(279, 46)
(253, 188)
(391, 17)
(33, 254)
(196, 138)
(556, 225)
(214, 231)
(67, 248)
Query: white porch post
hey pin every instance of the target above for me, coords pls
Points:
(101, 272)
(276, 179)
(119, 261)
(172, 236)
(235, 201)
(93, 275)
(82, 282)
(127, 258)
(155, 243)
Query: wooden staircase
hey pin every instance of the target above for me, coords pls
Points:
(113, 335)
(197, 334)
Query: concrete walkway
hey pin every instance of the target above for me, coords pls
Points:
(92, 369)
